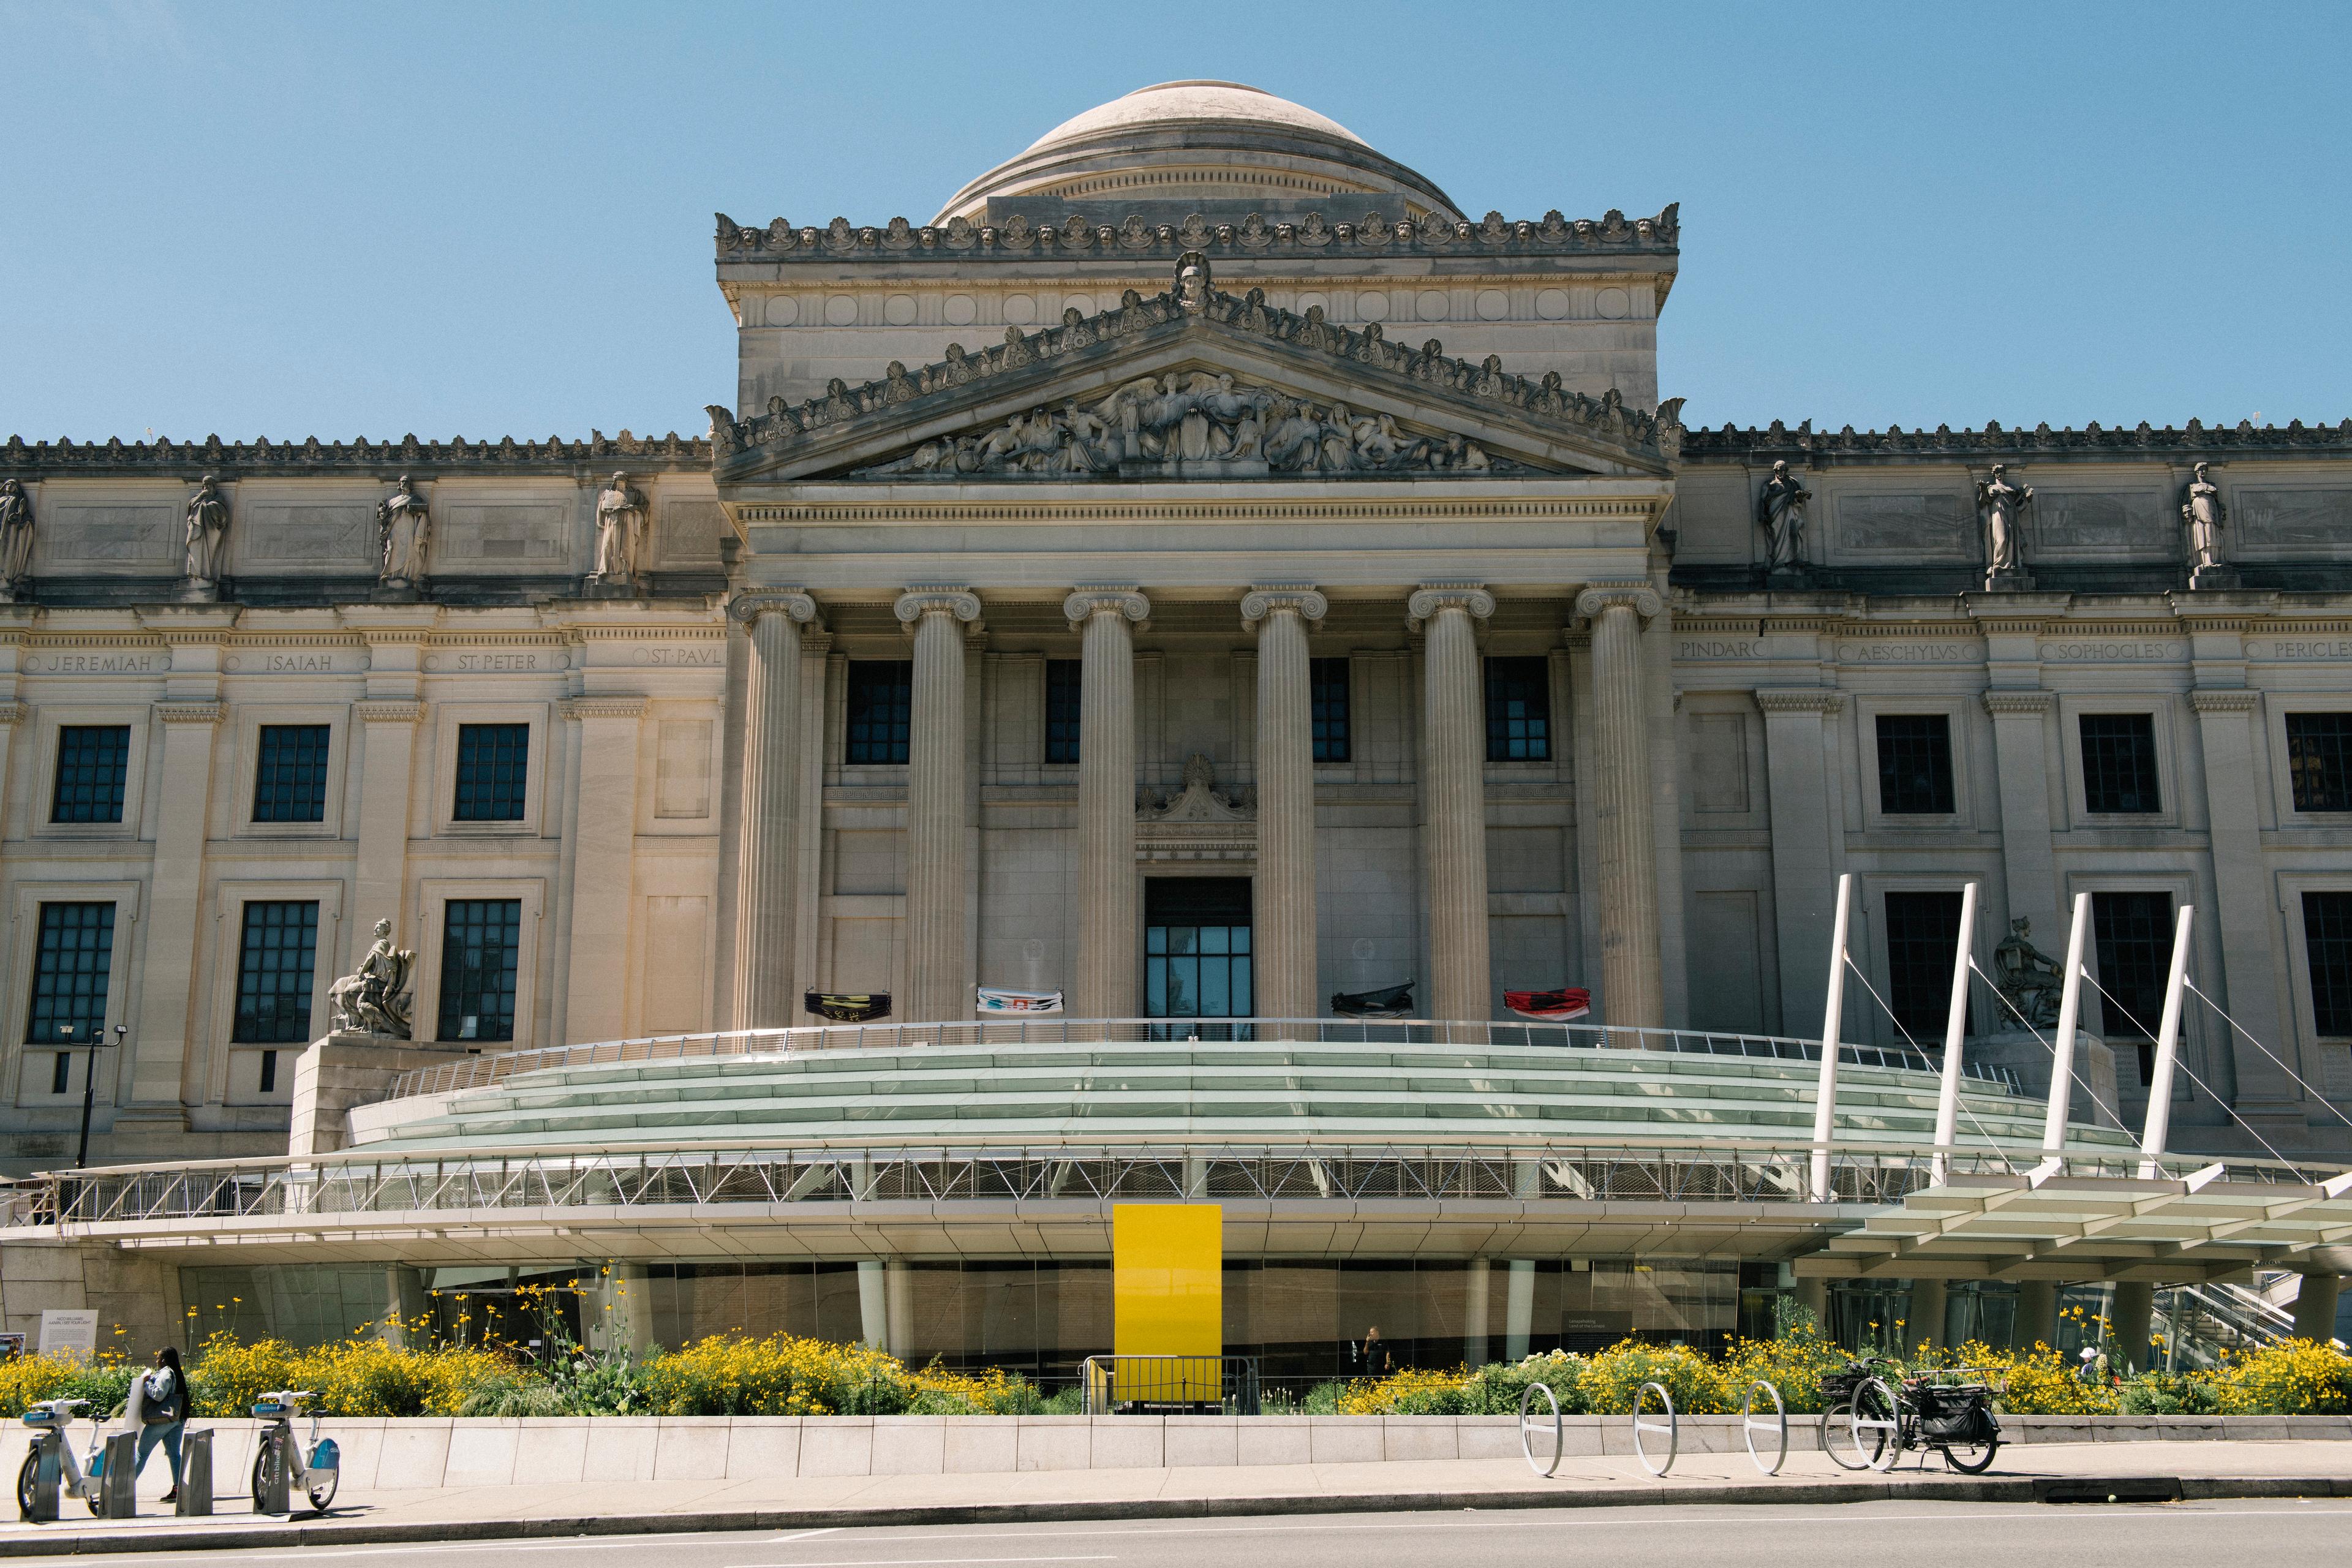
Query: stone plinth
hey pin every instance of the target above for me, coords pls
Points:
(339, 1072)
(2030, 1060)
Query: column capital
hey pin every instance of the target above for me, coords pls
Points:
(2226, 701)
(389, 712)
(749, 605)
(1262, 601)
(1637, 595)
(1091, 600)
(930, 599)
(1800, 700)
(1432, 597)
(191, 713)
(2000, 702)
(13, 713)
(613, 706)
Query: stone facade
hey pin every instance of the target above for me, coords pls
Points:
(1195, 451)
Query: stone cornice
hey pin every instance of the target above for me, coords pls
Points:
(234, 460)
(1545, 402)
(1730, 444)
(389, 710)
(611, 706)
(2227, 701)
(1800, 700)
(1363, 502)
(930, 599)
(1640, 597)
(749, 604)
(1076, 238)
(191, 713)
(1998, 702)
(1087, 603)
(1432, 597)
(1261, 602)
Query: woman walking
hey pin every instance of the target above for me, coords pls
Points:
(159, 1403)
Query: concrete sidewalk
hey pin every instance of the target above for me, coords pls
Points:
(2023, 1473)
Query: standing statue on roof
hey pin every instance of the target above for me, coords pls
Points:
(1781, 513)
(16, 541)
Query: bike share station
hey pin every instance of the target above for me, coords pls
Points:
(105, 1476)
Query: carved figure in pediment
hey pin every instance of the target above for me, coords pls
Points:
(16, 541)
(1200, 801)
(2202, 510)
(1193, 281)
(403, 530)
(1377, 442)
(207, 530)
(2001, 504)
(1781, 513)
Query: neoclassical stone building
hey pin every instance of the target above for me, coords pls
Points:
(1203, 568)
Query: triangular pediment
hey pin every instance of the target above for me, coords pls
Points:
(1225, 388)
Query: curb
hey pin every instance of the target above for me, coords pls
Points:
(1996, 1490)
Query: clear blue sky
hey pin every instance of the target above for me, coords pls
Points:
(338, 219)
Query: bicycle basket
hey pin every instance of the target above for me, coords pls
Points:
(1837, 1387)
(1953, 1414)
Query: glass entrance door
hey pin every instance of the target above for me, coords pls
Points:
(1196, 955)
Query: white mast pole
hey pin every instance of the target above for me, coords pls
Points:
(2168, 1054)
(1955, 1027)
(2070, 1008)
(1825, 1100)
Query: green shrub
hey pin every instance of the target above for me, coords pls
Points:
(2169, 1394)
(1614, 1377)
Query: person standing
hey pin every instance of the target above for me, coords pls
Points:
(159, 1403)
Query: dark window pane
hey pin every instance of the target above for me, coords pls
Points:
(2319, 761)
(273, 973)
(61, 1072)
(2327, 944)
(268, 1072)
(71, 959)
(1062, 677)
(93, 760)
(289, 781)
(2119, 762)
(1330, 680)
(1519, 709)
(1923, 934)
(1196, 941)
(2133, 935)
(481, 941)
(881, 710)
(493, 765)
(1915, 764)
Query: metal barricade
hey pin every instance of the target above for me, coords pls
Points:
(1170, 1384)
(118, 1496)
(1777, 1423)
(1670, 1426)
(195, 1475)
(1539, 1428)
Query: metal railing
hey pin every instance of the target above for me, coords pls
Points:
(1168, 1384)
(719, 1174)
(479, 1071)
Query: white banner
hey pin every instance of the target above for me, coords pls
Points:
(1019, 1001)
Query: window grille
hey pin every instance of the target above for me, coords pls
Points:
(73, 957)
(881, 710)
(1915, 764)
(2319, 759)
(274, 972)
(1329, 679)
(493, 769)
(93, 762)
(1062, 705)
(481, 941)
(2119, 763)
(289, 779)
(1519, 709)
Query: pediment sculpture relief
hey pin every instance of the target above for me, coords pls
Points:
(1192, 423)
(1198, 801)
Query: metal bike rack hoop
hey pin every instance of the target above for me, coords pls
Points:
(1777, 1423)
(1535, 1425)
(1671, 1427)
(1889, 1425)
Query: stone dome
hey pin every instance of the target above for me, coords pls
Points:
(1216, 148)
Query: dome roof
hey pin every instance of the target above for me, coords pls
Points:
(1216, 148)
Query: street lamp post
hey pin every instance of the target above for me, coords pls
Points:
(90, 1081)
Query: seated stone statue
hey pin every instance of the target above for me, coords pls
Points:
(374, 998)
(2028, 977)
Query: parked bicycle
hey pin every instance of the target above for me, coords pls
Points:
(311, 1469)
(77, 1476)
(1869, 1418)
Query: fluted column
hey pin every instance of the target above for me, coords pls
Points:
(1454, 719)
(765, 996)
(1109, 894)
(1632, 981)
(1283, 920)
(935, 805)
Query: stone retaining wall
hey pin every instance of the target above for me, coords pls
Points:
(425, 1452)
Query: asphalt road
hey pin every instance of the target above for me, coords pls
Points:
(1892, 1534)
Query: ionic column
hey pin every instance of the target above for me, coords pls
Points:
(1632, 984)
(1110, 895)
(935, 805)
(1284, 916)
(1453, 720)
(765, 996)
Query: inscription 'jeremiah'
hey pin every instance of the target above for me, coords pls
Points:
(101, 663)
(497, 661)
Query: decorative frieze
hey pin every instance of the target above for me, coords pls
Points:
(388, 711)
(2000, 702)
(1759, 447)
(190, 712)
(1800, 700)
(612, 706)
(243, 459)
(2229, 700)
(1079, 238)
